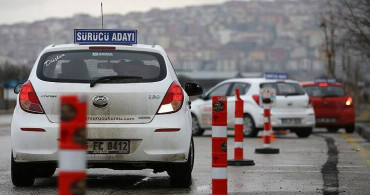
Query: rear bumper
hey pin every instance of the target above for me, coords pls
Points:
(343, 117)
(146, 145)
(306, 118)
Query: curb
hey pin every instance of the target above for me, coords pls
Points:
(364, 131)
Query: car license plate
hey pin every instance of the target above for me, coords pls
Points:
(326, 120)
(291, 121)
(108, 147)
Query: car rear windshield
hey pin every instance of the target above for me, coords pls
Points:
(85, 66)
(285, 88)
(326, 91)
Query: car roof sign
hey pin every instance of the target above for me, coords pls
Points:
(325, 80)
(105, 36)
(275, 75)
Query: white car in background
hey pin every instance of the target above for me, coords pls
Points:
(134, 100)
(292, 110)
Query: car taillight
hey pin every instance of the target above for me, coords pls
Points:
(349, 101)
(102, 48)
(173, 99)
(323, 84)
(256, 99)
(28, 99)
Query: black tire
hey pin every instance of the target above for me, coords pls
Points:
(180, 174)
(332, 129)
(249, 126)
(46, 171)
(350, 129)
(303, 132)
(195, 127)
(22, 174)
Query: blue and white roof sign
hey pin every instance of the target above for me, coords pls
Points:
(276, 75)
(105, 36)
(325, 80)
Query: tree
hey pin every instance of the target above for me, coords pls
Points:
(355, 15)
(351, 67)
(346, 31)
(10, 71)
(329, 27)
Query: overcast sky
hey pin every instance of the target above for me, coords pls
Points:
(14, 11)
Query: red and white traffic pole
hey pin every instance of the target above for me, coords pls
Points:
(219, 145)
(267, 129)
(238, 138)
(72, 147)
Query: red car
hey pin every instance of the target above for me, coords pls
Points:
(332, 104)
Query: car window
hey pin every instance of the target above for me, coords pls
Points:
(284, 88)
(243, 88)
(327, 91)
(221, 90)
(88, 65)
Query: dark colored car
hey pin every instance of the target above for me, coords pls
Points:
(332, 104)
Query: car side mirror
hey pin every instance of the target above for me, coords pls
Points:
(17, 88)
(204, 97)
(193, 89)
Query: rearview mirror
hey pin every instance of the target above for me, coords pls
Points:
(193, 89)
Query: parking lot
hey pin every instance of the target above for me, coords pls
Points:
(323, 163)
(185, 97)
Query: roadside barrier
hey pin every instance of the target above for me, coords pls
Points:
(238, 138)
(267, 131)
(72, 147)
(219, 145)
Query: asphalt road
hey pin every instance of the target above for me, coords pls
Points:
(324, 163)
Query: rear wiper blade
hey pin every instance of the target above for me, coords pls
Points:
(330, 96)
(111, 78)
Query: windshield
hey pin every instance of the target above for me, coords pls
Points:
(89, 65)
(285, 88)
(328, 91)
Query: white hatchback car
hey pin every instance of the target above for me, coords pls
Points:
(292, 109)
(144, 105)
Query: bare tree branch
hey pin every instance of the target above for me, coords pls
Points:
(355, 17)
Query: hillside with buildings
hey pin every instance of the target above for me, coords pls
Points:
(237, 36)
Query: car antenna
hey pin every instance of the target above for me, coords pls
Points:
(101, 8)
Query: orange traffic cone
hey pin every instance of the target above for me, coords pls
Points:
(272, 136)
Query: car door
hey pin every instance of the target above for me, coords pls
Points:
(206, 108)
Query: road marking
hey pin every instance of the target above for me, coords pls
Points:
(355, 145)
